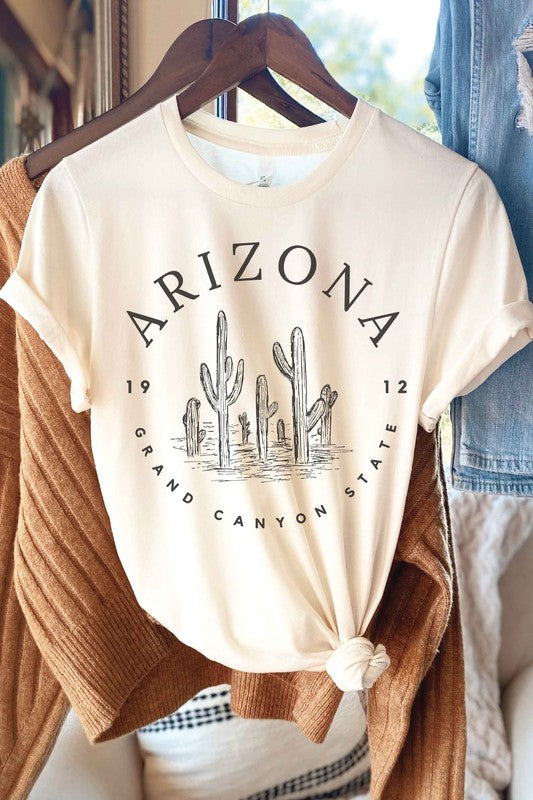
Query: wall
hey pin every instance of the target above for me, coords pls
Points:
(153, 26)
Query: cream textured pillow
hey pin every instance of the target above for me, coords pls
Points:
(487, 530)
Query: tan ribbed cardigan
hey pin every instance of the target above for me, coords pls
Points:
(72, 632)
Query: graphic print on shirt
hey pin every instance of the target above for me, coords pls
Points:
(265, 459)
(267, 381)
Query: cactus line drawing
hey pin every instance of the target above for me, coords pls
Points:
(194, 436)
(245, 427)
(263, 413)
(304, 420)
(279, 450)
(329, 398)
(220, 400)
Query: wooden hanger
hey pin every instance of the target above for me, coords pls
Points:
(183, 63)
(261, 41)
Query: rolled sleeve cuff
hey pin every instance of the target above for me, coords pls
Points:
(26, 302)
(503, 335)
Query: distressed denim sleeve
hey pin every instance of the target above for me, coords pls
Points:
(432, 80)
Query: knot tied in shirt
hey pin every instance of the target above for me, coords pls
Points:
(357, 664)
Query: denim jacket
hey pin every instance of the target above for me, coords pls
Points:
(479, 86)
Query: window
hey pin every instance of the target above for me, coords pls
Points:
(375, 50)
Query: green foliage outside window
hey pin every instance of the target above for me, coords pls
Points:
(346, 43)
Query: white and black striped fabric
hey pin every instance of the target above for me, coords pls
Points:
(204, 751)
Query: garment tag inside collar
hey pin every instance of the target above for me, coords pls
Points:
(266, 166)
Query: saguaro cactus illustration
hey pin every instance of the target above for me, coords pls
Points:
(281, 430)
(220, 400)
(303, 420)
(245, 427)
(193, 435)
(263, 413)
(329, 398)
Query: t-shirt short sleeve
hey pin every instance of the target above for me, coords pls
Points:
(482, 313)
(51, 286)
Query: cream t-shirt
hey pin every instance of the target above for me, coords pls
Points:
(258, 319)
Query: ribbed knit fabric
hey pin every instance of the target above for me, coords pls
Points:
(72, 632)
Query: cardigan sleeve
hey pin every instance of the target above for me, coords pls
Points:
(51, 286)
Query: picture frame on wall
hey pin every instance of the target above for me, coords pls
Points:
(59, 72)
